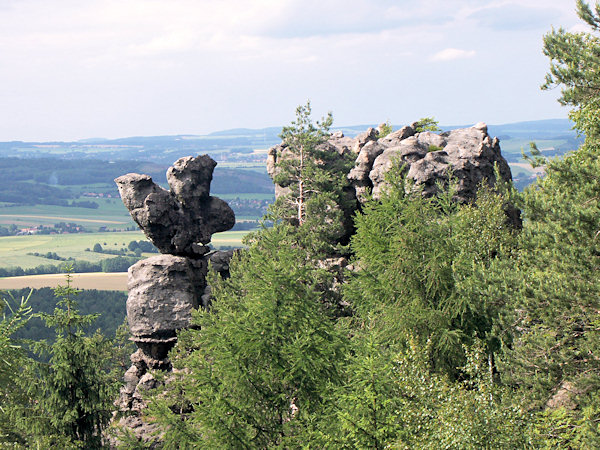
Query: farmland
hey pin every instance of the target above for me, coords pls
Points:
(99, 281)
(14, 249)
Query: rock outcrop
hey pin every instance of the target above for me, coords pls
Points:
(180, 221)
(165, 289)
(469, 155)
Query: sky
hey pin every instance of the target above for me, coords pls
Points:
(75, 69)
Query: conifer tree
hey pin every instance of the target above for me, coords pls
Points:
(315, 176)
(554, 285)
(12, 359)
(423, 265)
(575, 68)
(72, 394)
(254, 371)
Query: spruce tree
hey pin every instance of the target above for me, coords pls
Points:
(71, 395)
(12, 360)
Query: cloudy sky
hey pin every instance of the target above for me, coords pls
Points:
(72, 69)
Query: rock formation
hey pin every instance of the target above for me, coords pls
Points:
(165, 289)
(469, 154)
(182, 220)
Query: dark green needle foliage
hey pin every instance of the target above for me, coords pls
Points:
(71, 395)
(254, 375)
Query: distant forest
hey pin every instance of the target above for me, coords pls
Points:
(109, 304)
(54, 181)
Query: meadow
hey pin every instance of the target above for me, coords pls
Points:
(111, 214)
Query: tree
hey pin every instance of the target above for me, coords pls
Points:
(423, 264)
(255, 368)
(315, 176)
(575, 68)
(427, 124)
(71, 395)
(12, 359)
(384, 129)
(554, 287)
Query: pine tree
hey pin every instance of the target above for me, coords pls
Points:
(315, 176)
(575, 68)
(554, 284)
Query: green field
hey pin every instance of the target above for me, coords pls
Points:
(514, 146)
(111, 214)
(14, 249)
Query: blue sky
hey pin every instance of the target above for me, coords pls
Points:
(73, 69)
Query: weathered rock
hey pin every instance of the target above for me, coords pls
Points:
(468, 154)
(565, 397)
(190, 178)
(359, 175)
(146, 433)
(180, 221)
(163, 291)
(219, 261)
(362, 139)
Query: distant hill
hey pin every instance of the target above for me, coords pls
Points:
(166, 149)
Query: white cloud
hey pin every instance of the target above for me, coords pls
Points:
(450, 54)
(73, 68)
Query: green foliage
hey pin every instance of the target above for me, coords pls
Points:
(423, 265)
(575, 67)
(12, 358)
(556, 291)
(385, 129)
(71, 396)
(107, 306)
(389, 397)
(258, 364)
(316, 178)
(427, 124)
(534, 158)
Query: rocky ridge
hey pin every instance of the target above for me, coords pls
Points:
(165, 289)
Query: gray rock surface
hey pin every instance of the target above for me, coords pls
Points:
(180, 221)
(163, 291)
(219, 261)
(469, 154)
